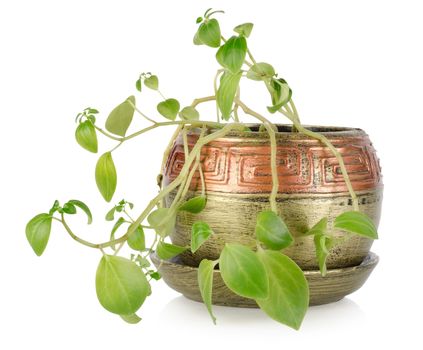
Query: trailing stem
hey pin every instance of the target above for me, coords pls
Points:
(272, 132)
(293, 116)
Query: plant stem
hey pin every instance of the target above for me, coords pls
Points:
(251, 57)
(339, 158)
(197, 101)
(271, 130)
(110, 136)
(219, 71)
(176, 122)
(183, 189)
(89, 244)
(141, 113)
(169, 147)
(185, 139)
(293, 116)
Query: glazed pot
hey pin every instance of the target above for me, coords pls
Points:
(238, 183)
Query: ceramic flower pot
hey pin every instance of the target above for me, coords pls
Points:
(238, 183)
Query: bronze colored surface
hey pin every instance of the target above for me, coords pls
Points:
(233, 218)
(238, 182)
(241, 163)
(334, 286)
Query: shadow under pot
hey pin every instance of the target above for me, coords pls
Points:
(238, 182)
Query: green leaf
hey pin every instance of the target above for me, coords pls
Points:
(288, 297)
(69, 208)
(163, 221)
(199, 20)
(169, 108)
(131, 319)
(261, 71)
(226, 93)
(209, 33)
(280, 92)
(194, 205)
(54, 208)
(152, 82)
(138, 85)
(121, 285)
(92, 110)
(110, 216)
(200, 232)
(231, 55)
(323, 243)
(244, 29)
(38, 232)
(243, 272)
(121, 116)
(272, 231)
(84, 208)
(167, 251)
(205, 282)
(319, 228)
(356, 222)
(155, 275)
(105, 176)
(196, 39)
(189, 113)
(136, 240)
(117, 224)
(86, 136)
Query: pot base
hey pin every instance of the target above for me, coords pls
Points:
(323, 290)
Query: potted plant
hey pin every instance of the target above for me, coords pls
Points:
(268, 215)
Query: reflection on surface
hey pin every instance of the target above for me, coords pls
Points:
(341, 314)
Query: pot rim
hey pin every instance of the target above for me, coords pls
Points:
(285, 132)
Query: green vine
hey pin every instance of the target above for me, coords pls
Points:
(123, 284)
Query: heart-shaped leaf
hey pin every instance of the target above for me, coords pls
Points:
(231, 55)
(168, 251)
(272, 231)
(200, 232)
(163, 221)
(226, 93)
(189, 113)
(280, 92)
(319, 228)
(105, 176)
(244, 29)
(38, 232)
(136, 240)
(84, 208)
(138, 85)
(261, 71)
(209, 33)
(194, 205)
(152, 82)
(205, 283)
(121, 285)
(86, 136)
(121, 116)
(169, 108)
(288, 296)
(243, 272)
(322, 243)
(356, 222)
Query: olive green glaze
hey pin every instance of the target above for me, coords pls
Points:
(334, 286)
(233, 217)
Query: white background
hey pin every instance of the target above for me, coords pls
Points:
(353, 63)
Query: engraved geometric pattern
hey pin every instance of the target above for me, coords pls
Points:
(303, 166)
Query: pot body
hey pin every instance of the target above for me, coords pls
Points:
(238, 183)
